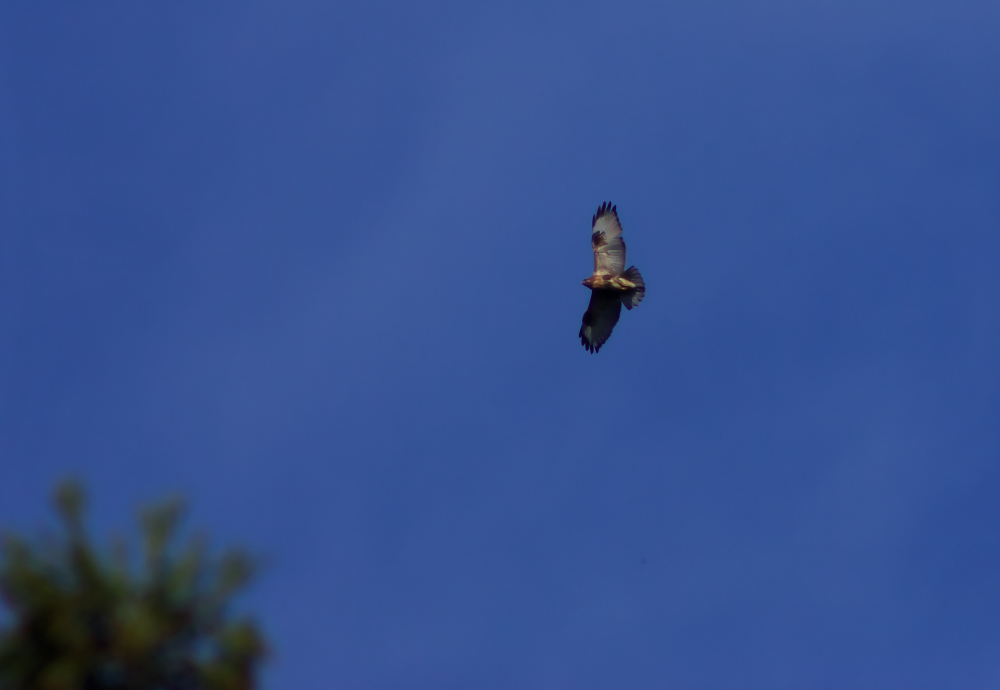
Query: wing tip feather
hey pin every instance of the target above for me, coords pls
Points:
(606, 208)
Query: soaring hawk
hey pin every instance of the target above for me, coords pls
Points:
(611, 286)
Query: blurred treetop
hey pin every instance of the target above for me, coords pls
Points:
(80, 619)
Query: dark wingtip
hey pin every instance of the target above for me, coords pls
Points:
(603, 210)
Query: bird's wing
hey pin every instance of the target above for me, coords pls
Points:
(609, 247)
(600, 319)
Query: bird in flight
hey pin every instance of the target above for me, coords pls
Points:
(611, 286)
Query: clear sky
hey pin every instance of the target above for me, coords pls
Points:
(317, 267)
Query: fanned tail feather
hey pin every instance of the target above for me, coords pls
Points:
(633, 297)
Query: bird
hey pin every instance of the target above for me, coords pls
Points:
(610, 285)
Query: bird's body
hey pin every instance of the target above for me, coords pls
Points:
(611, 285)
(603, 282)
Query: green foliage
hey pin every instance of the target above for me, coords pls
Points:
(82, 620)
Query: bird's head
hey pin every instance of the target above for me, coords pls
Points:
(589, 282)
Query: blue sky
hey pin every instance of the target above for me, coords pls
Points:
(317, 267)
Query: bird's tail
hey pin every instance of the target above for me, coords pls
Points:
(633, 297)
